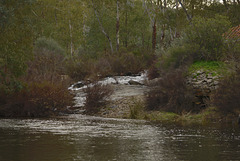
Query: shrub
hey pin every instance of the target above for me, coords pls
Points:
(45, 66)
(36, 100)
(171, 94)
(79, 69)
(105, 65)
(153, 72)
(43, 45)
(227, 96)
(233, 53)
(136, 110)
(207, 33)
(96, 97)
(48, 62)
(178, 56)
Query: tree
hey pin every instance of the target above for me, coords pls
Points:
(207, 34)
(101, 27)
(16, 39)
(63, 21)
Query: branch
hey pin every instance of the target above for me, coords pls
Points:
(185, 10)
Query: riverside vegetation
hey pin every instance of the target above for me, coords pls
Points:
(46, 45)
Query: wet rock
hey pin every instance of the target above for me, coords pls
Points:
(78, 85)
(132, 82)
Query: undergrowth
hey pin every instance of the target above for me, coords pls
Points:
(96, 97)
(36, 100)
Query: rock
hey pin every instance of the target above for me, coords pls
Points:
(132, 82)
(198, 83)
(209, 81)
(78, 85)
(200, 72)
(216, 82)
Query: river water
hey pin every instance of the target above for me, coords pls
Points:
(79, 137)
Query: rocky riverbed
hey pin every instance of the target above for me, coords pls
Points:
(127, 90)
(131, 89)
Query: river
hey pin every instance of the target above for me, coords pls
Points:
(79, 137)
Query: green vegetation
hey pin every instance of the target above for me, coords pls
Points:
(206, 116)
(43, 44)
(96, 97)
(214, 67)
(41, 40)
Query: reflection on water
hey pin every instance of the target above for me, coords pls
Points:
(79, 137)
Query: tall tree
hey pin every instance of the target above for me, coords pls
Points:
(153, 19)
(102, 28)
(16, 38)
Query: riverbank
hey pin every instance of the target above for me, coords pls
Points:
(132, 107)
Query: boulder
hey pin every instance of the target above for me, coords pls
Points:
(132, 82)
(78, 85)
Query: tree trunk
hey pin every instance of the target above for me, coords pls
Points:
(154, 35)
(154, 27)
(185, 10)
(225, 3)
(126, 25)
(143, 41)
(55, 15)
(117, 26)
(71, 41)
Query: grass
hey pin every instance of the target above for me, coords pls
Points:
(214, 67)
(209, 115)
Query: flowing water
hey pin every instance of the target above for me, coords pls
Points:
(78, 137)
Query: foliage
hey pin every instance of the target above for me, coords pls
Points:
(36, 100)
(16, 39)
(217, 67)
(96, 97)
(171, 94)
(47, 64)
(153, 72)
(178, 56)
(43, 44)
(207, 33)
(227, 96)
(233, 52)
(105, 65)
(62, 21)
(137, 110)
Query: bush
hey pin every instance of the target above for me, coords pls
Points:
(153, 72)
(48, 62)
(178, 56)
(208, 34)
(106, 65)
(43, 45)
(96, 97)
(171, 94)
(36, 100)
(45, 66)
(79, 69)
(227, 96)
